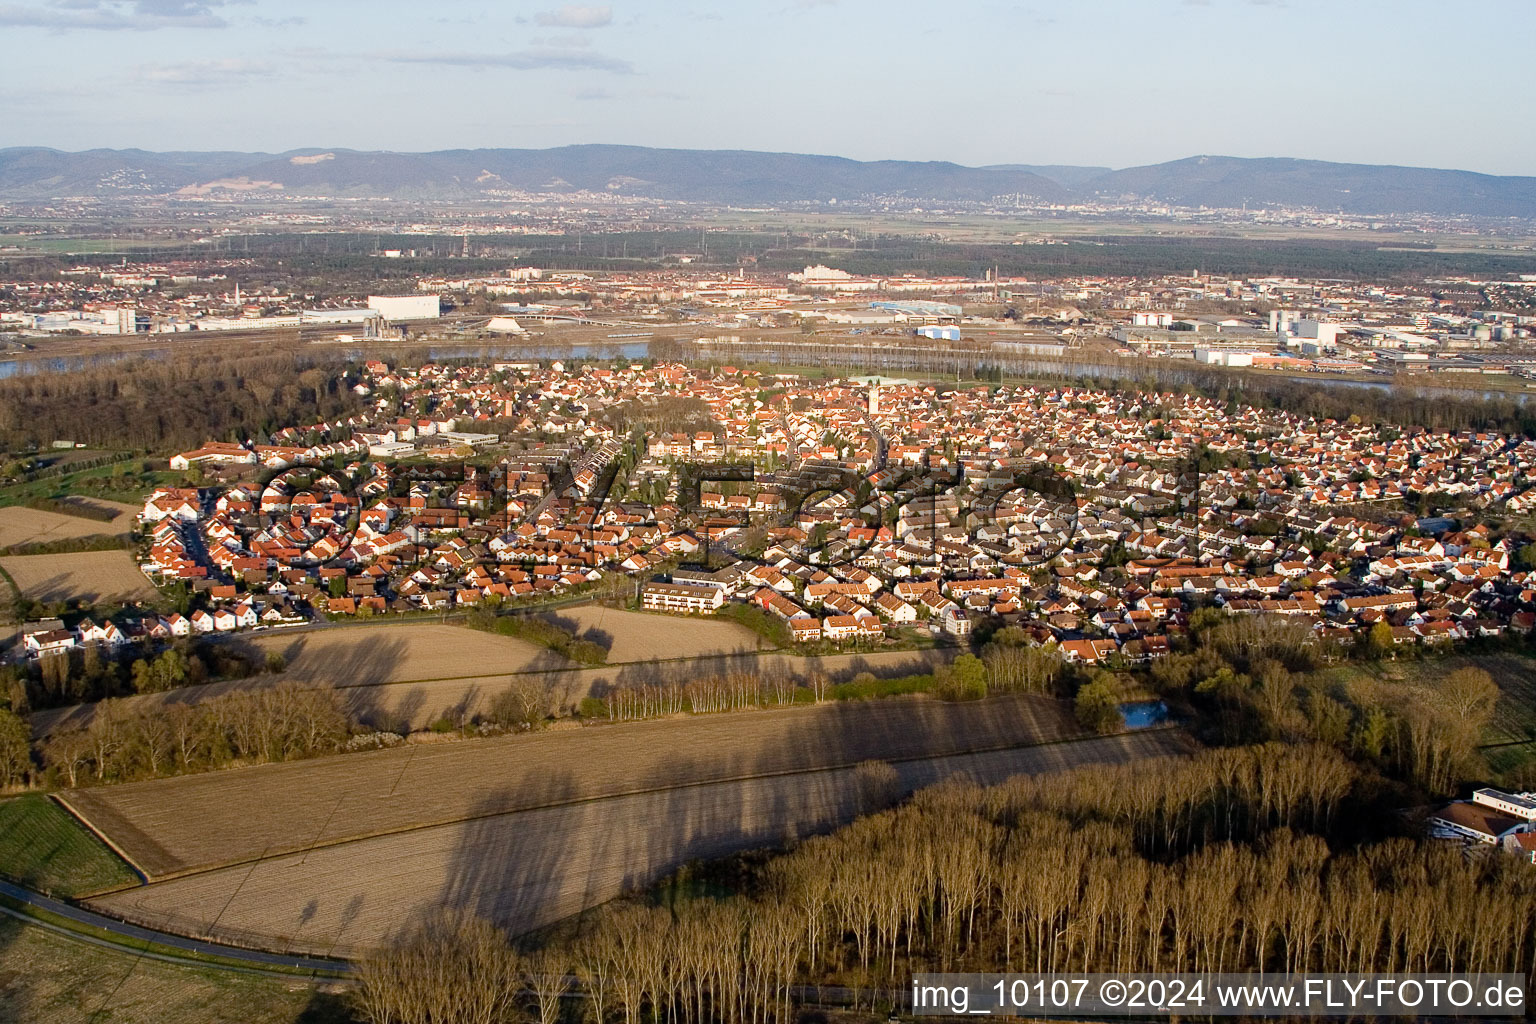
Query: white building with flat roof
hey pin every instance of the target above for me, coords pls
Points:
(1516, 805)
(406, 307)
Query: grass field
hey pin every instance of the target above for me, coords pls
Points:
(111, 484)
(21, 525)
(44, 848)
(526, 869)
(46, 978)
(1509, 741)
(1514, 718)
(92, 576)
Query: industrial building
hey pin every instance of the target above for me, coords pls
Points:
(919, 310)
(1223, 357)
(406, 307)
(106, 320)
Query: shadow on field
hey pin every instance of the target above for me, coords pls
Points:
(386, 709)
(369, 658)
(327, 1008)
(65, 586)
(524, 870)
(16, 1000)
(601, 637)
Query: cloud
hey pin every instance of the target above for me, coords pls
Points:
(523, 60)
(205, 72)
(592, 94)
(115, 15)
(576, 16)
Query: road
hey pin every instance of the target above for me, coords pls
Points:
(255, 959)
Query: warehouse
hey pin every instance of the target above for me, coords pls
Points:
(406, 307)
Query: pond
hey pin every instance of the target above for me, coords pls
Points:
(1143, 714)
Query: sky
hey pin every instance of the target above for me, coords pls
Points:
(1094, 82)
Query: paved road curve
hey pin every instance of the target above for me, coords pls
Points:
(126, 931)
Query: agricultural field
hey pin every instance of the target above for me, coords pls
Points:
(45, 849)
(368, 653)
(525, 869)
(91, 576)
(47, 978)
(398, 652)
(644, 636)
(170, 826)
(21, 525)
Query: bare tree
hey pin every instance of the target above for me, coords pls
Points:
(451, 968)
(547, 974)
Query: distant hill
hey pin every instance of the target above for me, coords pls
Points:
(1224, 181)
(713, 176)
(1068, 175)
(744, 178)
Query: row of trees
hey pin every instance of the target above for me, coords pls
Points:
(730, 691)
(1221, 862)
(1016, 664)
(1018, 669)
(277, 723)
(1009, 663)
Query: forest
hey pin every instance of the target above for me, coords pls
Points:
(177, 400)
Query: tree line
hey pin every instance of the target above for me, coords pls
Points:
(1233, 860)
(277, 723)
(91, 672)
(540, 631)
(729, 691)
